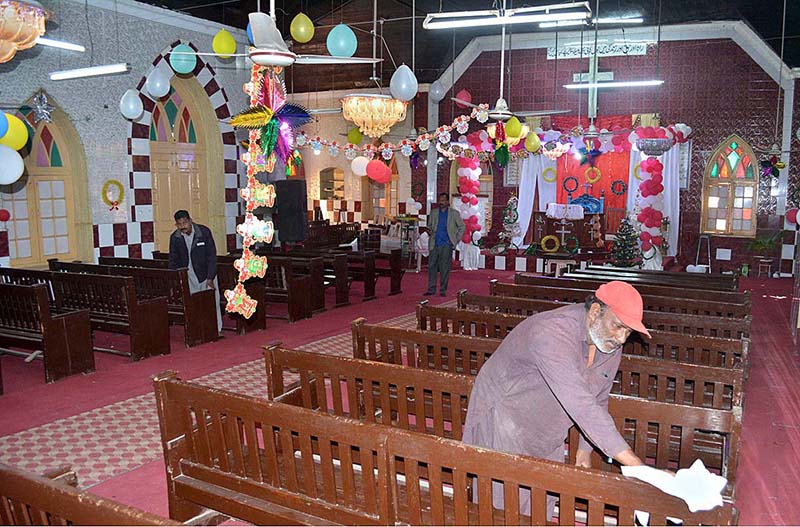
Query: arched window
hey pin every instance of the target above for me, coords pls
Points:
(172, 121)
(730, 190)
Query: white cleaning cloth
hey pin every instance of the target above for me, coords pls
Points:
(699, 488)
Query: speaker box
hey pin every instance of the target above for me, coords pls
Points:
(291, 204)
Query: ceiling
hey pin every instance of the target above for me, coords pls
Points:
(436, 49)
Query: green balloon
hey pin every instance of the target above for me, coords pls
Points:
(183, 59)
(355, 136)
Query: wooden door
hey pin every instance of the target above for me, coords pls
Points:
(177, 184)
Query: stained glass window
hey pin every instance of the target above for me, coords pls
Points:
(172, 120)
(730, 190)
(47, 152)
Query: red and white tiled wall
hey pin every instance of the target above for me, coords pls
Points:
(347, 211)
(136, 238)
(791, 238)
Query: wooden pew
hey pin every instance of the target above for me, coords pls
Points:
(112, 305)
(63, 341)
(651, 303)
(323, 235)
(573, 281)
(643, 376)
(53, 499)
(195, 312)
(281, 286)
(226, 279)
(688, 280)
(273, 463)
(657, 431)
(386, 265)
(723, 327)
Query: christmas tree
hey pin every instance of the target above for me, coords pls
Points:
(625, 251)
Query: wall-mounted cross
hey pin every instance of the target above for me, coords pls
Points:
(563, 232)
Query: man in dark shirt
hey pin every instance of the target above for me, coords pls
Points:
(447, 228)
(192, 246)
(554, 370)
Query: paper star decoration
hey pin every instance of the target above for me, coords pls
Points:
(42, 111)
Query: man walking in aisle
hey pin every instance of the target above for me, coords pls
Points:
(192, 246)
(447, 228)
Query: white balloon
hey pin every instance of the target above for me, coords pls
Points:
(12, 164)
(130, 106)
(418, 206)
(404, 84)
(359, 166)
(436, 91)
(474, 173)
(463, 172)
(477, 236)
(465, 214)
(157, 83)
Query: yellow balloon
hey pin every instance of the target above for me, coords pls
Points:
(302, 28)
(513, 127)
(223, 44)
(355, 136)
(17, 135)
(532, 143)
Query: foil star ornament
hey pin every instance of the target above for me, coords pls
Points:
(42, 111)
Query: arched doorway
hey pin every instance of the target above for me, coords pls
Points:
(50, 216)
(185, 148)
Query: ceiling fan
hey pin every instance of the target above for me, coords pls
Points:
(501, 111)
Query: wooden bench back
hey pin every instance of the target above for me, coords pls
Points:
(718, 282)
(639, 375)
(724, 327)
(112, 295)
(317, 468)
(24, 307)
(651, 303)
(428, 401)
(577, 281)
(11, 275)
(134, 262)
(28, 499)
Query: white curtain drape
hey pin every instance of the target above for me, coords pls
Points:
(671, 161)
(548, 182)
(529, 170)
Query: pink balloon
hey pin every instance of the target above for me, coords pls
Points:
(473, 201)
(657, 178)
(464, 95)
(645, 236)
(657, 240)
(466, 238)
(464, 199)
(791, 215)
(646, 246)
(378, 171)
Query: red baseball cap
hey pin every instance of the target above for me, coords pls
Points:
(625, 302)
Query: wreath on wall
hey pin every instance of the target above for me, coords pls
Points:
(576, 245)
(549, 179)
(112, 194)
(619, 187)
(417, 190)
(547, 247)
(571, 180)
(592, 175)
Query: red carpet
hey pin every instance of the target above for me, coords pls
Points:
(770, 444)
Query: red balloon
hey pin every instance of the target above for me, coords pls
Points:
(658, 189)
(464, 199)
(473, 201)
(462, 180)
(616, 140)
(791, 215)
(466, 238)
(464, 189)
(378, 171)
(645, 236)
(4, 215)
(642, 217)
(464, 95)
(646, 246)
(657, 178)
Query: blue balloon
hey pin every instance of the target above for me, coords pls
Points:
(3, 124)
(342, 42)
(182, 59)
(250, 35)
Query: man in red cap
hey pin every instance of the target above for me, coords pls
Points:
(554, 370)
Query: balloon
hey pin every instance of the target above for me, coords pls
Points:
(645, 236)
(466, 238)
(250, 35)
(513, 127)
(302, 28)
(404, 84)
(436, 91)
(359, 166)
(657, 240)
(157, 84)
(16, 136)
(657, 178)
(12, 164)
(464, 199)
(464, 215)
(477, 235)
(3, 124)
(355, 136)
(532, 143)
(182, 59)
(342, 42)
(646, 246)
(473, 200)
(223, 44)
(465, 96)
(377, 171)
(791, 215)
(130, 105)
(4, 215)
(417, 206)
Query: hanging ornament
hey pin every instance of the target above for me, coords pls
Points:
(350, 152)
(42, 111)
(369, 151)
(481, 113)
(462, 124)
(333, 149)
(424, 142)
(301, 139)
(239, 301)
(386, 152)
(406, 147)
(443, 133)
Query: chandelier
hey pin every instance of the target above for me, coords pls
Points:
(654, 146)
(491, 129)
(374, 114)
(555, 149)
(21, 23)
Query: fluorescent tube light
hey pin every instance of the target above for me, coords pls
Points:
(106, 69)
(613, 84)
(523, 15)
(41, 41)
(567, 23)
